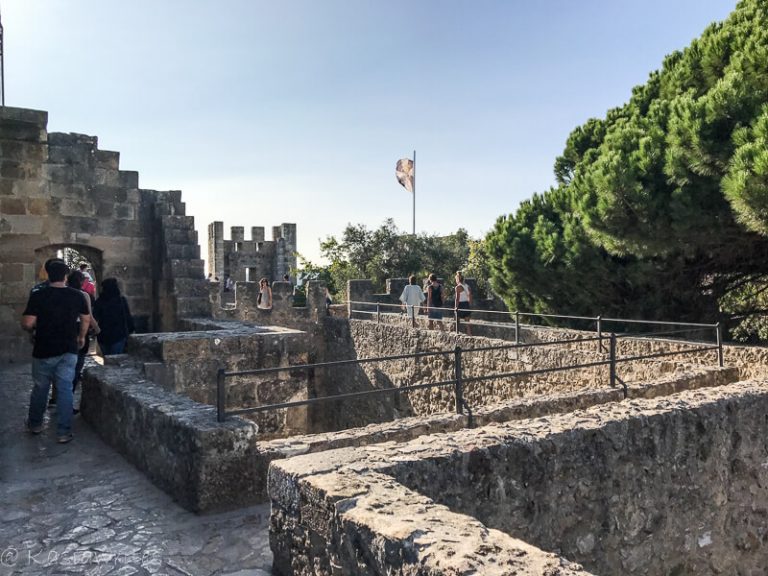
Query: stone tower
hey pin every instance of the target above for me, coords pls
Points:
(248, 260)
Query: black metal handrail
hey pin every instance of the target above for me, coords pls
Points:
(458, 381)
(598, 320)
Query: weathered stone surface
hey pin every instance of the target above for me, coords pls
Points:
(60, 190)
(596, 486)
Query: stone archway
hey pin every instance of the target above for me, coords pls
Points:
(92, 255)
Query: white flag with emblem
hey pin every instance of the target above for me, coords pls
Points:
(404, 171)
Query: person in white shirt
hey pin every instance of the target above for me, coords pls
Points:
(412, 297)
(463, 300)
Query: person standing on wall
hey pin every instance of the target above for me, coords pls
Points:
(53, 314)
(463, 300)
(264, 300)
(114, 318)
(412, 297)
(434, 302)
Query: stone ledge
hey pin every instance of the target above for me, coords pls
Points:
(349, 511)
(205, 465)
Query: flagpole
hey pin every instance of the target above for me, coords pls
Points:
(414, 192)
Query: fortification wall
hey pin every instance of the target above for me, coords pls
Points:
(249, 260)
(349, 339)
(671, 486)
(59, 190)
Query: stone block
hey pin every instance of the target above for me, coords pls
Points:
(124, 212)
(128, 179)
(72, 139)
(77, 207)
(105, 177)
(180, 236)
(38, 206)
(29, 152)
(13, 206)
(38, 118)
(23, 131)
(77, 154)
(58, 173)
(21, 224)
(13, 272)
(108, 194)
(183, 251)
(107, 160)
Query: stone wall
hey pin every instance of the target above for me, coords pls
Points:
(671, 486)
(357, 339)
(59, 190)
(187, 363)
(259, 257)
(203, 464)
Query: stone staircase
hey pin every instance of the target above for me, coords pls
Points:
(185, 291)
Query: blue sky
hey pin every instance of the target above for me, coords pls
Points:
(297, 110)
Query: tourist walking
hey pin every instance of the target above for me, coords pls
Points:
(52, 313)
(412, 297)
(434, 302)
(463, 300)
(264, 300)
(76, 280)
(114, 318)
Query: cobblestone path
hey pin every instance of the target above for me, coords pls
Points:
(80, 508)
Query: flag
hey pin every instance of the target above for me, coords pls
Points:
(404, 171)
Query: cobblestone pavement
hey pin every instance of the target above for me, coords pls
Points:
(80, 508)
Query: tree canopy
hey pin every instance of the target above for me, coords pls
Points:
(387, 252)
(661, 207)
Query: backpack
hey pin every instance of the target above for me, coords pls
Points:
(437, 295)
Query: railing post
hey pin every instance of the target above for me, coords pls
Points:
(221, 396)
(413, 316)
(719, 332)
(378, 313)
(456, 317)
(599, 333)
(517, 327)
(612, 353)
(458, 391)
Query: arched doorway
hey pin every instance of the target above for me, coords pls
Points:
(73, 255)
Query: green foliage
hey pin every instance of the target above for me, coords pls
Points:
(387, 252)
(662, 206)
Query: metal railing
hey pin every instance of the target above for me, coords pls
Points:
(458, 381)
(377, 307)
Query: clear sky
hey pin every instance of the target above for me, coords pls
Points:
(297, 110)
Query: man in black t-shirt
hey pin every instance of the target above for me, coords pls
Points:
(53, 312)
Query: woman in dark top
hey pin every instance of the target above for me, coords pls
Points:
(114, 318)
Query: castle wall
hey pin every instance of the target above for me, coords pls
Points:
(249, 260)
(668, 486)
(59, 190)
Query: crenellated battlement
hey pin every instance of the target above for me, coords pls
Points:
(248, 260)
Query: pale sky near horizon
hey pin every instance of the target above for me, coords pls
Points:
(297, 111)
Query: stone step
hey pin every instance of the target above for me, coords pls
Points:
(180, 236)
(186, 268)
(184, 251)
(176, 222)
(128, 178)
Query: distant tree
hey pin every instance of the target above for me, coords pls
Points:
(388, 252)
